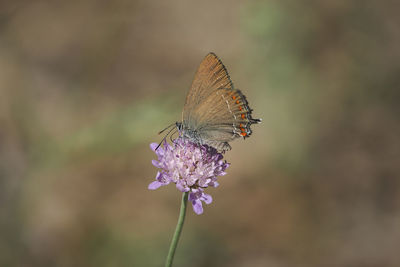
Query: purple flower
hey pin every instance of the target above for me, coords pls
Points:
(191, 167)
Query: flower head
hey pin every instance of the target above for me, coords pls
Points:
(191, 167)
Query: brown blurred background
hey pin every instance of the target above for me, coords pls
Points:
(86, 85)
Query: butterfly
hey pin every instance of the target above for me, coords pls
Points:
(215, 113)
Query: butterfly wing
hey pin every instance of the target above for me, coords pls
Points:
(210, 76)
(215, 113)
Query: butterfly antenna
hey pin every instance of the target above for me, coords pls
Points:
(165, 135)
(160, 132)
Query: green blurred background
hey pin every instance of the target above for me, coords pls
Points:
(86, 85)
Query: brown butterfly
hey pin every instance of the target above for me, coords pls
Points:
(215, 113)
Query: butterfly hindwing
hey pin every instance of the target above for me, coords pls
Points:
(225, 113)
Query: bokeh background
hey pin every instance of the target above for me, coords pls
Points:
(86, 85)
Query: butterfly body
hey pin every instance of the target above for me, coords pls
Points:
(215, 113)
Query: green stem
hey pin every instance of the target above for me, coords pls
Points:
(178, 230)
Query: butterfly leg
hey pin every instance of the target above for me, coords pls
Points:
(225, 147)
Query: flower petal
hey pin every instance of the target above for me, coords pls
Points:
(214, 184)
(197, 207)
(154, 185)
(192, 196)
(156, 163)
(206, 198)
(153, 146)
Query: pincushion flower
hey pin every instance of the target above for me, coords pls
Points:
(191, 167)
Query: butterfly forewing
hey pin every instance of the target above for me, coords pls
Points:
(210, 76)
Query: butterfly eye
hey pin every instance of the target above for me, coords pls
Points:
(179, 125)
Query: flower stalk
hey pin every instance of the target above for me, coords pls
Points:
(178, 230)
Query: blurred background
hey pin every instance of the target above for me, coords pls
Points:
(86, 85)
